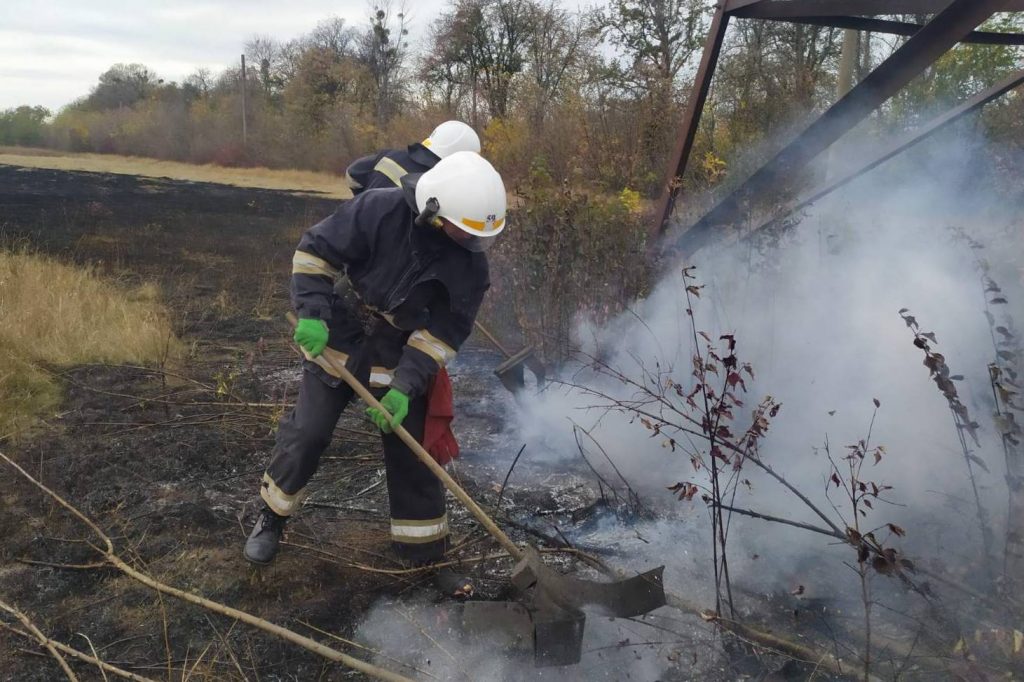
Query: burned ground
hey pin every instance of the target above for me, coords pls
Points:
(167, 460)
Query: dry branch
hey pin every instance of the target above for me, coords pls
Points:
(103, 665)
(43, 639)
(247, 618)
(766, 640)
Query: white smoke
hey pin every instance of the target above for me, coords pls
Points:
(817, 318)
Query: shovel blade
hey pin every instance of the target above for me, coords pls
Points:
(511, 378)
(511, 371)
(626, 598)
(557, 638)
(555, 635)
(503, 626)
(536, 365)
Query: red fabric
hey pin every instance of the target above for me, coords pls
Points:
(438, 438)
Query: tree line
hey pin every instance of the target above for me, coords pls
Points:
(589, 96)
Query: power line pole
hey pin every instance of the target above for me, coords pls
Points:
(244, 131)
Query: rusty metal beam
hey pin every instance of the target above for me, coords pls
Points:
(923, 49)
(734, 5)
(777, 9)
(903, 28)
(691, 117)
(922, 133)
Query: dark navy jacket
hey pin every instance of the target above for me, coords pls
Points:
(423, 289)
(386, 168)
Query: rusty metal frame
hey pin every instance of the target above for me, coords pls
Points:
(902, 28)
(694, 108)
(952, 116)
(953, 21)
(776, 9)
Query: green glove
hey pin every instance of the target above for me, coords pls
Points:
(395, 402)
(311, 335)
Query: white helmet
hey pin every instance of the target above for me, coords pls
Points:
(469, 194)
(451, 137)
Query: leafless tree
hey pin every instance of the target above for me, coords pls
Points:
(658, 37)
(383, 48)
(265, 54)
(559, 42)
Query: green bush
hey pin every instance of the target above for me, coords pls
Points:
(25, 126)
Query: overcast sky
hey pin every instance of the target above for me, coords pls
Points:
(52, 51)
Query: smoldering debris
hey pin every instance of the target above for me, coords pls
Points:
(448, 642)
(816, 314)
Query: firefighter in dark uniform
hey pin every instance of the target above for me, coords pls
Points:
(386, 168)
(414, 272)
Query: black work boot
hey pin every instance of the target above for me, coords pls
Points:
(261, 547)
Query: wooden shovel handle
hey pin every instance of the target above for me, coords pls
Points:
(492, 338)
(486, 521)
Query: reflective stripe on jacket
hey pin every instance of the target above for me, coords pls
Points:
(387, 168)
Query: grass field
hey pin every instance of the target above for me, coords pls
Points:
(261, 178)
(59, 315)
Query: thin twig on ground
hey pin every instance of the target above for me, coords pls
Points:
(508, 474)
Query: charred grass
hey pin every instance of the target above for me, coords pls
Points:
(326, 184)
(166, 459)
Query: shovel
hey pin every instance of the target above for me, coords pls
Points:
(555, 601)
(510, 372)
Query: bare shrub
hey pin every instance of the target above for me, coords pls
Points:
(574, 253)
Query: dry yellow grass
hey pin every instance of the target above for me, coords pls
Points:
(57, 314)
(260, 178)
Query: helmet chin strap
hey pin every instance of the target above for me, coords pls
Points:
(428, 216)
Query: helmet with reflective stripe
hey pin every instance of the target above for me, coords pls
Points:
(451, 137)
(470, 195)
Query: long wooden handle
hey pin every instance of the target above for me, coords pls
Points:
(493, 339)
(424, 456)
